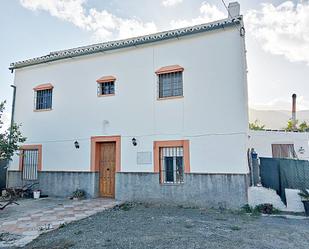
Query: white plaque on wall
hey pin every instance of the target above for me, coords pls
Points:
(144, 157)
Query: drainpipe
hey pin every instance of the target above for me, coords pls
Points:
(13, 107)
(294, 111)
(11, 129)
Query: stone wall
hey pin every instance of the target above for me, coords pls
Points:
(201, 190)
(198, 190)
(60, 184)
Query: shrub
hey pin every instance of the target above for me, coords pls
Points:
(266, 208)
(79, 194)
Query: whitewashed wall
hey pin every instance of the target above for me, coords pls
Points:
(261, 195)
(212, 114)
(261, 141)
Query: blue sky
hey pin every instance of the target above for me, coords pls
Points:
(277, 36)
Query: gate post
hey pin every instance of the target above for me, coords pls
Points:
(255, 168)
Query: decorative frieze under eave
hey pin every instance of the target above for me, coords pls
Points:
(130, 42)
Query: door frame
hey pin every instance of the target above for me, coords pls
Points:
(95, 153)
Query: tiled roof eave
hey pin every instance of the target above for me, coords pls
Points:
(107, 46)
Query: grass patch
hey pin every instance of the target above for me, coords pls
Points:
(62, 225)
(235, 228)
(126, 206)
(78, 232)
(221, 219)
(246, 209)
(265, 208)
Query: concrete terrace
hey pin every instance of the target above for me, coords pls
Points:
(29, 219)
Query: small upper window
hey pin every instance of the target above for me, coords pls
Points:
(107, 88)
(170, 81)
(106, 85)
(43, 97)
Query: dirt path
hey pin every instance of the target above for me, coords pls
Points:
(143, 227)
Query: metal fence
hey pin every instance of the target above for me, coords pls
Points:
(279, 174)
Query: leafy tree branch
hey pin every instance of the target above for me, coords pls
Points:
(9, 138)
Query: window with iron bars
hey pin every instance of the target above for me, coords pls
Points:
(106, 88)
(171, 162)
(43, 99)
(170, 85)
(30, 164)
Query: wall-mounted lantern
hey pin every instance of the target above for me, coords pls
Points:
(301, 150)
(134, 141)
(76, 144)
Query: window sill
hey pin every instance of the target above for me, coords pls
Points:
(171, 183)
(106, 95)
(168, 98)
(43, 110)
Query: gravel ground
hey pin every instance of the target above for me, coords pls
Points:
(142, 226)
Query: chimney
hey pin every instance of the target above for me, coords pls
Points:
(233, 9)
(294, 110)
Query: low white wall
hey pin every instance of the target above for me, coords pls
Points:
(261, 141)
(294, 203)
(261, 195)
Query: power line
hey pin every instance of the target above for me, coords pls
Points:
(146, 135)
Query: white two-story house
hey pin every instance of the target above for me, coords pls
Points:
(157, 118)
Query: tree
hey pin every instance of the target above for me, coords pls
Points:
(9, 138)
(303, 127)
(291, 126)
(256, 126)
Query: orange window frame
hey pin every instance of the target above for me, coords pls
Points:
(30, 147)
(47, 86)
(103, 80)
(171, 143)
(168, 70)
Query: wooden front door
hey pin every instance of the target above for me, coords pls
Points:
(107, 166)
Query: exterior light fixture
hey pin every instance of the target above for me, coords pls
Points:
(242, 31)
(301, 150)
(134, 141)
(76, 144)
